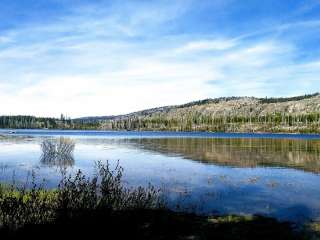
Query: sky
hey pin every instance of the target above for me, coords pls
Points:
(97, 58)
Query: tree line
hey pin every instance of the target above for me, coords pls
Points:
(186, 121)
(197, 121)
(31, 122)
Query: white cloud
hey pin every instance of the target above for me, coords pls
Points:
(207, 45)
(102, 64)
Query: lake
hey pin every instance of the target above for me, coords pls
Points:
(211, 173)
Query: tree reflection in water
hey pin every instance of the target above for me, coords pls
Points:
(58, 152)
(240, 152)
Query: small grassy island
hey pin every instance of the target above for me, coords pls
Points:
(85, 207)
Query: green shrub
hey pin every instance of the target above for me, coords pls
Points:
(74, 195)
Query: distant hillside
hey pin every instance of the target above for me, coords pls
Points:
(208, 101)
(231, 114)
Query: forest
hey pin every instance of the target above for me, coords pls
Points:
(299, 114)
(277, 122)
(31, 122)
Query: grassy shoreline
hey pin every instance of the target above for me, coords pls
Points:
(80, 206)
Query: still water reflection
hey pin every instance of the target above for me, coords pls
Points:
(235, 152)
(271, 176)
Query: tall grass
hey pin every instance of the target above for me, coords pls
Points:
(82, 207)
(74, 196)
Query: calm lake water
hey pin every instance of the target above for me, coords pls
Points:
(271, 174)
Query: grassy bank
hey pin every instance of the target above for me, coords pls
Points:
(103, 206)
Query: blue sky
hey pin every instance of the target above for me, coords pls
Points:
(99, 57)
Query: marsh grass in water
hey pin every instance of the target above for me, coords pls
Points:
(57, 152)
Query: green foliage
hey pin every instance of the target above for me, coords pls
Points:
(208, 101)
(20, 206)
(196, 121)
(31, 122)
(102, 206)
(279, 100)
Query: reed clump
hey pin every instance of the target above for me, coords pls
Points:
(57, 152)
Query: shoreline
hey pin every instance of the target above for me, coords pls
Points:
(156, 133)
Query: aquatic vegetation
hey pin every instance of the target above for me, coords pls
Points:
(57, 152)
(55, 148)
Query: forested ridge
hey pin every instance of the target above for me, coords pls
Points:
(277, 122)
(232, 114)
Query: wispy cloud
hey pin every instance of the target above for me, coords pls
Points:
(115, 58)
(207, 45)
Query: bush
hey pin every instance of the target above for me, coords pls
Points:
(75, 195)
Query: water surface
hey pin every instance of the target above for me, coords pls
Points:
(271, 174)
